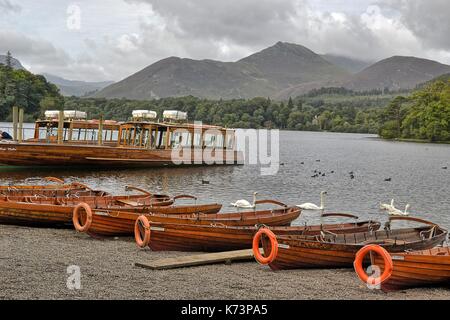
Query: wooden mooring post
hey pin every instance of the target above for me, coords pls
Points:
(15, 115)
(20, 133)
(100, 131)
(60, 127)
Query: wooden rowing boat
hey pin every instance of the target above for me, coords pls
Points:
(114, 223)
(59, 184)
(58, 187)
(38, 211)
(47, 193)
(415, 268)
(330, 250)
(52, 191)
(213, 238)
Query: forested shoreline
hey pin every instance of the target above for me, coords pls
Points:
(423, 114)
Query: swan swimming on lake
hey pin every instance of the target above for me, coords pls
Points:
(245, 204)
(312, 206)
(396, 212)
(385, 206)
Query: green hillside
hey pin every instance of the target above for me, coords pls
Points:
(424, 115)
(21, 88)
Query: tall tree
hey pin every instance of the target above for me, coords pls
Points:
(9, 60)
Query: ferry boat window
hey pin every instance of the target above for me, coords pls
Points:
(163, 139)
(220, 140)
(77, 136)
(208, 138)
(153, 137)
(94, 134)
(212, 138)
(159, 139)
(114, 135)
(130, 135)
(180, 138)
(230, 140)
(44, 133)
(175, 139)
(145, 138)
(123, 137)
(197, 140)
(137, 137)
(186, 139)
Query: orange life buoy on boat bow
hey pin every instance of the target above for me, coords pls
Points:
(388, 265)
(273, 246)
(82, 226)
(142, 221)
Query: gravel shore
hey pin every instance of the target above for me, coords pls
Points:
(33, 265)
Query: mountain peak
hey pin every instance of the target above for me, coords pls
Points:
(397, 72)
(264, 73)
(282, 49)
(289, 64)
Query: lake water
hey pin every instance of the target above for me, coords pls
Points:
(415, 169)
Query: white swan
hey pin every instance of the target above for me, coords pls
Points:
(245, 204)
(312, 206)
(396, 212)
(385, 206)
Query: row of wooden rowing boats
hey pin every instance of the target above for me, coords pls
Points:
(405, 257)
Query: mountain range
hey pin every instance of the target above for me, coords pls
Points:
(265, 74)
(74, 87)
(66, 87)
(280, 71)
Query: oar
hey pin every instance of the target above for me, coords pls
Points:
(128, 188)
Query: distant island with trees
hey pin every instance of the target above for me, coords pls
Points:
(419, 115)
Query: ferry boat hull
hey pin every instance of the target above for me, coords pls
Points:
(42, 154)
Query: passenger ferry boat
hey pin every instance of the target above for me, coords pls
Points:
(68, 139)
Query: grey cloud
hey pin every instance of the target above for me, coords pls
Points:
(429, 20)
(251, 25)
(251, 22)
(232, 29)
(36, 52)
(7, 6)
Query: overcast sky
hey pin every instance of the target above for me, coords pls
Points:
(111, 39)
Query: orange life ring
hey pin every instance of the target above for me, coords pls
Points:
(76, 217)
(137, 232)
(388, 265)
(273, 244)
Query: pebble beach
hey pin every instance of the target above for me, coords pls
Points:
(34, 261)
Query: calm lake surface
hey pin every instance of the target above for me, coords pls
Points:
(417, 173)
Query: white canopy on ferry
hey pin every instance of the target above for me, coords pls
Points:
(145, 114)
(51, 113)
(68, 114)
(175, 115)
(74, 114)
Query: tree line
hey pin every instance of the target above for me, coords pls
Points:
(22, 88)
(424, 115)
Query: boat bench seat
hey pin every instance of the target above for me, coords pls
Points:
(130, 203)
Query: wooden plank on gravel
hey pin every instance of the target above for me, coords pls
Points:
(198, 260)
